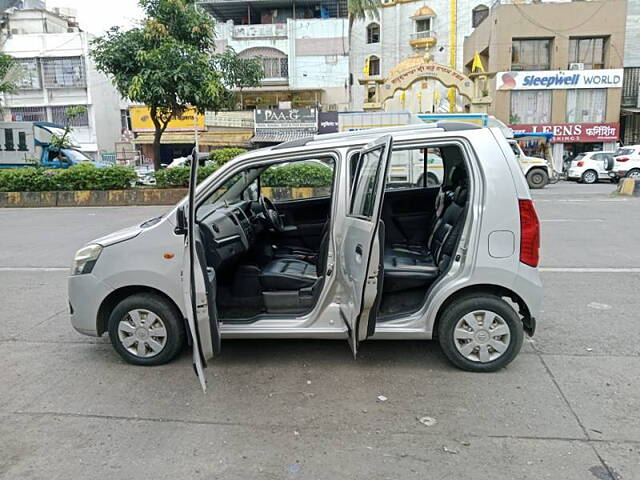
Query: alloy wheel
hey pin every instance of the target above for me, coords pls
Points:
(482, 336)
(589, 177)
(634, 174)
(142, 333)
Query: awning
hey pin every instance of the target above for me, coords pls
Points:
(218, 138)
(630, 110)
(269, 135)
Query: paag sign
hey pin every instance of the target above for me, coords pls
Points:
(289, 118)
(574, 132)
(559, 79)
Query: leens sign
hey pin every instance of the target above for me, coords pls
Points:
(558, 79)
(573, 132)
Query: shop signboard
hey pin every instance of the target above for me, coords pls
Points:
(185, 122)
(298, 118)
(327, 122)
(559, 79)
(574, 132)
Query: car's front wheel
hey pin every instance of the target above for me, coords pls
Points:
(480, 333)
(146, 329)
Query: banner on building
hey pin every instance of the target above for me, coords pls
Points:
(327, 122)
(281, 125)
(574, 132)
(559, 79)
(141, 121)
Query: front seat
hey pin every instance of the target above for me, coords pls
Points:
(294, 273)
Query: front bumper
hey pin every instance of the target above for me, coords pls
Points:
(86, 294)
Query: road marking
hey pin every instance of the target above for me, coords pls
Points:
(34, 269)
(590, 269)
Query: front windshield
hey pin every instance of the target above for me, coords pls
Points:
(76, 156)
(232, 189)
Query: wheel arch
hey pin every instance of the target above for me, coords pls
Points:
(498, 290)
(115, 297)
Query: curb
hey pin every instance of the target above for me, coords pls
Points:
(629, 187)
(93, 198)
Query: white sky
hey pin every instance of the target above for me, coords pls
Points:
(97, 16)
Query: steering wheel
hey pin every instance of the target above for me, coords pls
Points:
(271, 214)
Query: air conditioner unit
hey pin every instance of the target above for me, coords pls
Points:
(576, 66)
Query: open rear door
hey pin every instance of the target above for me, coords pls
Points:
(362, 248)
(199, 288)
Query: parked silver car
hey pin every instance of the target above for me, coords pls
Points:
(276, 245)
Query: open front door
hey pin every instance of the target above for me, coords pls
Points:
(199, 288)
(362, 248)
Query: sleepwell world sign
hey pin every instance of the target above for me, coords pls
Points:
(559, 79)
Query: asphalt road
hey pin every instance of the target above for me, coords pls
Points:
(567, 408)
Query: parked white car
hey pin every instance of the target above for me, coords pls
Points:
(589, 167)
(627, 163)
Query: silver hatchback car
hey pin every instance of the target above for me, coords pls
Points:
(310, 239)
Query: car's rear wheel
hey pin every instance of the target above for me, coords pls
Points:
(537, 178)
(146, 329)
(634, 173)
(590, 176)
(480, 333)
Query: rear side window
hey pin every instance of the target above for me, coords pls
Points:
(363, 199)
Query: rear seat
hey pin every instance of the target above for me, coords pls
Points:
(414, 266)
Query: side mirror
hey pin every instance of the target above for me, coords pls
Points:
(181, 222)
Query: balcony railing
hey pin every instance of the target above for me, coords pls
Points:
(270, 30)
(423, 34)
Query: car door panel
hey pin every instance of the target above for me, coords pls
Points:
(362, 245)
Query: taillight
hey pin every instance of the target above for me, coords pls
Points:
(580, 163)
(529, 233)
(622, 159)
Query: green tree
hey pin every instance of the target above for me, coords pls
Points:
(8, 73)
(237, 73)
(164, 63)
(361, 9)
(57, 143)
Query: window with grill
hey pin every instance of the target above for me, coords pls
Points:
(29, 74)
(586, 105)
(630, 87)
(423, 25)
(29, 114)
(531, 54)
(64, 72)
(59, 116)
(589, 51)
(274, 62)
(373, 33)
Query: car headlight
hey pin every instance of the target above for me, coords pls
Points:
(85, 259)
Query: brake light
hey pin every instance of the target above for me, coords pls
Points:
(529, 233)
(580, 163)
(622, 159)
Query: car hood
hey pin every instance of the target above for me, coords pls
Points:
(119, 236)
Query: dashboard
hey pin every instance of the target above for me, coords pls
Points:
(228, 231)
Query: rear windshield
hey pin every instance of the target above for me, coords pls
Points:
(580, 157)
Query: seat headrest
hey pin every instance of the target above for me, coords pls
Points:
(460, 196)
(458, 175)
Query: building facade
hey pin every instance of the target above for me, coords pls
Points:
(56, 72)
(630, 112)
(406, 28)
(555, 67)
(303, 47)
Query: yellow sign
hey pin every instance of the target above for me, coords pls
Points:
(141, 121)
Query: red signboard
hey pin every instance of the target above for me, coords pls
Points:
(574, 132)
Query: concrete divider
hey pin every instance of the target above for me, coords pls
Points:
(629, 187)
(93, 198)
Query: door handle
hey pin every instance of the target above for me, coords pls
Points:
(359, 249)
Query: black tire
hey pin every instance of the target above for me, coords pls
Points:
(633, 173)
(169, 316)
(537, 178)
(467, 304)
(589, 181)
(432, 181)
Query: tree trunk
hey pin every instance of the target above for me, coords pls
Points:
(156, 148)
